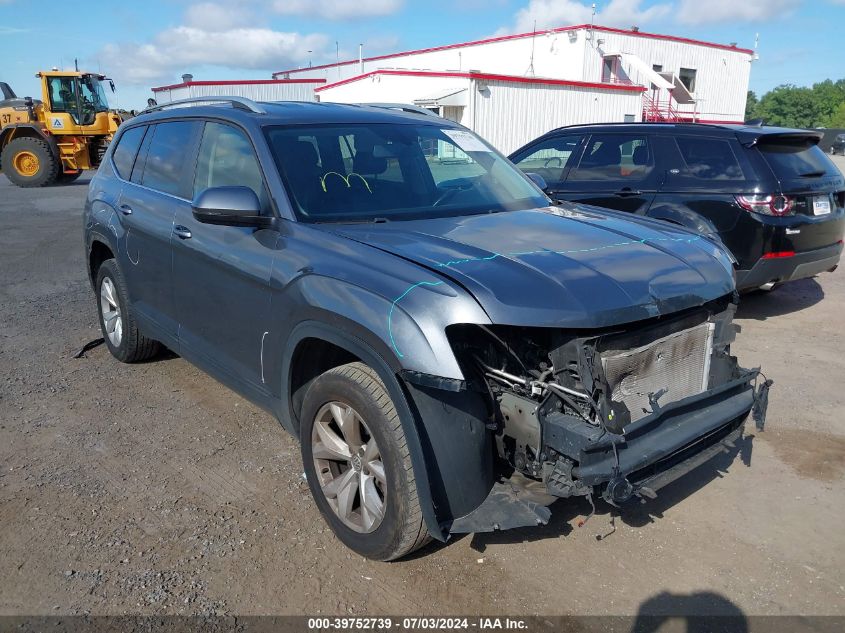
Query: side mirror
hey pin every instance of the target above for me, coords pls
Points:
(538, 180)
(229, 206)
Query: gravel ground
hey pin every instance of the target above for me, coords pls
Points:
(152, 489)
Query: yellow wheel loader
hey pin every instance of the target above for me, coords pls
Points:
(60, 136)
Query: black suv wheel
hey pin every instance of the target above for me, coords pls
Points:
(358, 466)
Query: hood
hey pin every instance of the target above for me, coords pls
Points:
(561, 266)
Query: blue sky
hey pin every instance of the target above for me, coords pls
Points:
(144, 43)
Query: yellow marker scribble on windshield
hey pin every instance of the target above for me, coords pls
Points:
(344, 179)
(329, 173)
(364, 180)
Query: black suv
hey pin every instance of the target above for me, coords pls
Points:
(838, 145)
(771, 194)
(453, 350)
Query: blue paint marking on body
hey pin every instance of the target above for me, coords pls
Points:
(393, 306)
(546, 251)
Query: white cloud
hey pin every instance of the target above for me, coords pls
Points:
(552, 13)
(337, 9)
(211, 16)
(186, 48)
(713, 11)
(234, 34)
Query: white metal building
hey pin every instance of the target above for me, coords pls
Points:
(506, 110)
(546, 79)
(298, 89)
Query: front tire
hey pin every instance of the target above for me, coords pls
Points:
(358, 466)
(117, 318)
(29, 162)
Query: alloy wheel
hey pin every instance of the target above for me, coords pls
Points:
(110, 309)
(349, 467)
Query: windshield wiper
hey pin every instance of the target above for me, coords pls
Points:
(812, 174)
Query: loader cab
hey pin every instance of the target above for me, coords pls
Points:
(81, 96)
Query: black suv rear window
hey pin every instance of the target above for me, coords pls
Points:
(709, 159)
(798, 159)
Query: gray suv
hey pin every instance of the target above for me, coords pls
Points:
(453, 350)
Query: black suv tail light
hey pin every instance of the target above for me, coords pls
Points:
(776, 205)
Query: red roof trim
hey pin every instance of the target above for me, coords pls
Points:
(488, 77)
(239, 82)
(504, 38)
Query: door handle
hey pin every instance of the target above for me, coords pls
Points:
(125, 209)
(627, 191)
(182, 232)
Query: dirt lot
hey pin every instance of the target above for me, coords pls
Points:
(153, 489)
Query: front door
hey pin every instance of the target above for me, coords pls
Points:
(615, 171)
(221, 274)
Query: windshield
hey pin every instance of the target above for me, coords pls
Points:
(93, 95)
(373, 172)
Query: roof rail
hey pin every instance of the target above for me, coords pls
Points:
(242, 103)
(405, 107)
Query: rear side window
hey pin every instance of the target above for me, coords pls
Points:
(124, 154)
(709, 159)
(625, 157)
(798, 159)
(226, 158)
(549, 158)
(164, 169)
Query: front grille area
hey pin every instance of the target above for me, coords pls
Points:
(678, 363)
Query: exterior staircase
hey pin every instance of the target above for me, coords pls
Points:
(656, 110)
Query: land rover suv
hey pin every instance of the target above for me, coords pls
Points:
(453, 350)
(770, 194)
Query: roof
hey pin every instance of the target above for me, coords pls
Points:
(748, 131)
(504, 38)
(488, 77)
(297, 113)
(238, 82)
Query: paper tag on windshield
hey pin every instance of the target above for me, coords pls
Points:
(466, 141)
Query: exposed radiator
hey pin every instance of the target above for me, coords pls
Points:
(678, 363)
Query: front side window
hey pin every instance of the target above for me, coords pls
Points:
(607, 157)
(165, 165)
(549, 158)
(226, 158)
(126, 150)
(370, 172)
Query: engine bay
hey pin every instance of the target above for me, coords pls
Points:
(553, 395)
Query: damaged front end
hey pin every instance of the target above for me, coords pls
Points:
(616, 413)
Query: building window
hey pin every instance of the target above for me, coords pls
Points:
(687, 77)
(658, 68)
(609, 69)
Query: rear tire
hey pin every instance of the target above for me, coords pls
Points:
(117, 318)
(29, 162)
(347, 410)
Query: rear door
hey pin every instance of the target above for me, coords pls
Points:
(615, 171)
(158, 187)
(221, 274)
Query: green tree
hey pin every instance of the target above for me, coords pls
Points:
(788, 106)
(750, 105)
(837, 117)
(794, 106)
